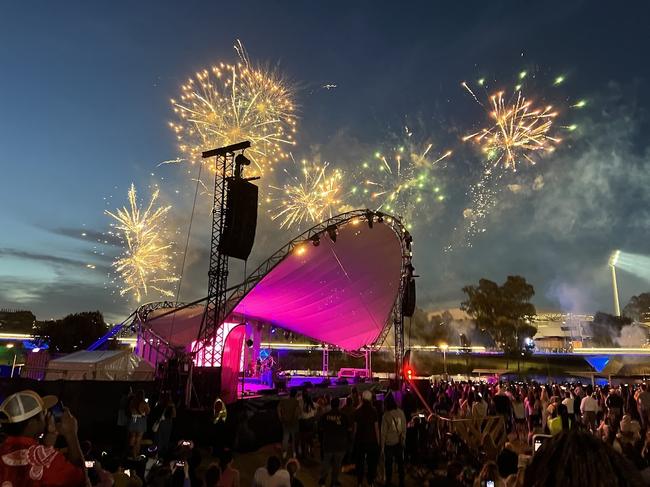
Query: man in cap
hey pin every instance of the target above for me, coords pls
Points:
(25, 418)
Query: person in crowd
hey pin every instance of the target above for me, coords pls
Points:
(219, 418)
(366, 439)
(25, 418)
(503, 406)
(614, 403)
(289, 414)
(568, 401)
(272, 475)
(393, 439)
(307, 424)
(589, 408)
(333, 429)
(293, 467)
(560, 421)
(643, 402)
(348, 411)
(544, 401)
(122, 477)
(164, 414)
(489, 473)
(138, 411)
(212, 477)
(229, 474)
(579, 459)
(480, 407)
(519, 414)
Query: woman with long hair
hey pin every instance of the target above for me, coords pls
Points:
(137, 427)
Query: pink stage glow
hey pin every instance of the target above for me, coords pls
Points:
(338, 293)
(200, 358)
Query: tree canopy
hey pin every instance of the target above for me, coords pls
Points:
(606, 328)
(504, 312)
(74, 332)
(638, 308)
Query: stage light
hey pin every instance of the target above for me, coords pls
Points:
(36, 350)
(409, 373)
(10, 345)
(380, 217)
(369, 218)
(613, 259)
(249, 343)
(315, 240)
(301, 249)
(331, 231)
(273, 329)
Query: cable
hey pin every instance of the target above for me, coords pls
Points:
(187, 243)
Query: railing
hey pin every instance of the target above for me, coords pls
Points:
(481, 434)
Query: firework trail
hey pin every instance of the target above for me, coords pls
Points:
(146, 263)
(231, 103)
(313, 193)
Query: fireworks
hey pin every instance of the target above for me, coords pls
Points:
(146, 263)
(231, 103)
(519, 130)
(313, 195)
(401, 183)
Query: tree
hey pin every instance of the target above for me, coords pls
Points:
(504, 312)
(638, 308)
(606, 328)
(73, 332)
(17, 321)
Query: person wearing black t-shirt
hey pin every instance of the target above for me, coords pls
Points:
(333, 428)
(366, 437)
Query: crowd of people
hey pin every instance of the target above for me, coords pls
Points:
(599, 435)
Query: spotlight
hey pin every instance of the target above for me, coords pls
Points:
(331, 231)
(315, 240)
(273, 330)
(249, 343)
(369, 217)
(613, 259)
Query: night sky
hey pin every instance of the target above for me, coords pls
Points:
(84, 111)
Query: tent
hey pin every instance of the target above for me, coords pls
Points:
(100, 365)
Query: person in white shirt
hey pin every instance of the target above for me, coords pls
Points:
(589, 408)
(272, 475)
(568, 401)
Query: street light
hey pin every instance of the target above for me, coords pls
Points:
(444, 347)
(613, 260)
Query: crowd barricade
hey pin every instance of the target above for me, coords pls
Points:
(487, 435)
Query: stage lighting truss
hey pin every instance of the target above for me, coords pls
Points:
(395, 320)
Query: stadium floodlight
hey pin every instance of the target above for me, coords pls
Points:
(613, 260)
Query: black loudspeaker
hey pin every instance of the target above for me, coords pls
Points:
(408, 304)
(240, 220)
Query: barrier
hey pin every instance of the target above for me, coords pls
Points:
(487, 434)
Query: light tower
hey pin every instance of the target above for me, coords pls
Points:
(613, 259)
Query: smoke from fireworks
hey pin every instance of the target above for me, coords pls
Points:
(312, 195)
(519, 130)
(146, 263)
(227, 104)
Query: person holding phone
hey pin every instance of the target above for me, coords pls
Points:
(138, 409)
(25, 418)
(489, 476)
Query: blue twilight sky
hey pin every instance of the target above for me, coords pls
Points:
(84, 111)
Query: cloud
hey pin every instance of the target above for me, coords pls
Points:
(51, 259)
(88, 235)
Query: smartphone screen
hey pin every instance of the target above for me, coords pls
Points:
(90, 463)
(180, 463)
(538, 443)
(127, 472)
(489, 483)
(57, 411)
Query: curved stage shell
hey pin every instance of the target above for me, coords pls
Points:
(342, 293)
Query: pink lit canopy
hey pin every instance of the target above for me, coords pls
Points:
(341, 293)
